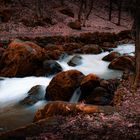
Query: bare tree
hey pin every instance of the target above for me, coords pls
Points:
(137, 49)
(85, 10)
(39, 8)
(119, 4)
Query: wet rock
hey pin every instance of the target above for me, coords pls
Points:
(54, 55)
(123, 63)
(111, 56)
(99, 96)
(51, 67)
(21, 59)
(98, 38)
(108, 45)
(35, 94)
(70, 48)
(63, 85)
(67, 11)
(104, 83)
(88, 84)
(63, 56)
(125, 34)
(75, 61)
(75, 25)
(1, 78)
(64, 108)
(110, 85)
(52, 47)
(54, 51)
(91, 49)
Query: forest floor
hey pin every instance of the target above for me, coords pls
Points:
(21, 22)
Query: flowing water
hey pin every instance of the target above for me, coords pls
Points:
(12, 90)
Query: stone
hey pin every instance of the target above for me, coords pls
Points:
(63, 85)
(88, 84)
(91, 49)
(21, 59)
(123, 63)
(75, 25)
(99, 96)
(111, 56)
(35, 94)
(70, 48)
(51, 67)
(75, 61)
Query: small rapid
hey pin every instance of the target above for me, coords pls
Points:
(13, 90)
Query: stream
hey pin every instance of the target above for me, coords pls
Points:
(13, 90)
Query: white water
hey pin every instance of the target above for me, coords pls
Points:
(93, 64)
(12, 90)
(125, 49)
(76, 96)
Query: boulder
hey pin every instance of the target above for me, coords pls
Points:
(75, 25)
(71, 48)
(64, 109)
(54, 51)
(111, 56)
(54, 55)
(51, 67)
(110, 85)
(108, 45)
(63, 85)
(88, 84)
(21, 59)
(63, 56)
(91, 49)
(123, 63)
(75, 61)
(35, 94)
(99, 96)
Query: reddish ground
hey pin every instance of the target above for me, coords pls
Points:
(98, 20)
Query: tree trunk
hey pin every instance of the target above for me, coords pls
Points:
(80, 10)
(88, 11)
(119, 11)
(38, 8)
(137, 50)
(110, 9)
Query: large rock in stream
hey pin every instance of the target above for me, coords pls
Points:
(111, 56)
(21, 59)
(63, 85)
(51, 67)
(35, 94)
(123, 63)
(75, 61)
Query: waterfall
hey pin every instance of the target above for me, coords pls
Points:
(76, 95)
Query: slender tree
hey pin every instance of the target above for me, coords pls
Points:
(137, 49)
(85, 9)
(110, 9)
(119, 4)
